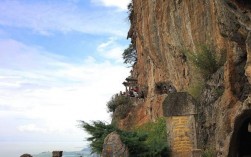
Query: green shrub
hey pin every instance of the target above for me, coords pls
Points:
(208, 153)
(156, 138)
(122, 111)
(118, 100)
(196, 89)
(205, 60)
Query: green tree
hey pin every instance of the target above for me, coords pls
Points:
(98, 131)
(130, 55)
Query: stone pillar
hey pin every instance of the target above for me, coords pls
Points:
(57, 153)
(179, 109)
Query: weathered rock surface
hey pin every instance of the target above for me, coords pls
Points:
(113, 146)
(162, 30)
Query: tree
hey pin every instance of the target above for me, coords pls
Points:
(98, 131)
(130, 55)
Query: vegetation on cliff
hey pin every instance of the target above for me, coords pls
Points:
(148, 140)
(130, 55)
(205, 60)
(120, 106)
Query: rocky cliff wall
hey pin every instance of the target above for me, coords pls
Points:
(162, 29)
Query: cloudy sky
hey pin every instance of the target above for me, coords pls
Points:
(60, 61)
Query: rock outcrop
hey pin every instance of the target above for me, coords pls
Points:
(161, 31)
(113, 146)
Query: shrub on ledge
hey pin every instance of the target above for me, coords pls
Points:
(206, 60)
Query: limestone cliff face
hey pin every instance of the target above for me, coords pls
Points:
(162, 29)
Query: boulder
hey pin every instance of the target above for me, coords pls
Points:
(114, 147)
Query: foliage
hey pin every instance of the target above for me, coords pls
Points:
(130, 11)
(130, 55)
(148, 140)
(208, 153)
(156, 138)
(118, 100)
(196, 89)
(135, 142)
(123, 110)
(205, 60)
(98, 131)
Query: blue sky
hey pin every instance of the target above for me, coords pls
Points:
(60, 61)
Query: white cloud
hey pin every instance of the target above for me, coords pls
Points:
(15, 54)
(31, 128)
(111, 49)
(121, 4)
(54, 92)
(46, 18)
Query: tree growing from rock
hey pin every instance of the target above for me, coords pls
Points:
(130, 55)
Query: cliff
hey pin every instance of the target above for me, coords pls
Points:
(161, 31)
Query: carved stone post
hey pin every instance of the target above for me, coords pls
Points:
(180, 108)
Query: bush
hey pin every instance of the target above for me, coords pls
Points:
(156, 138)
(196, 89)
(122, 111)
(208, 153)
(118, 100)
(205, 60)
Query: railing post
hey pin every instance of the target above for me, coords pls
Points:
(57, 153)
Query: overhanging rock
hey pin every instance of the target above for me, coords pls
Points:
(179, 104)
